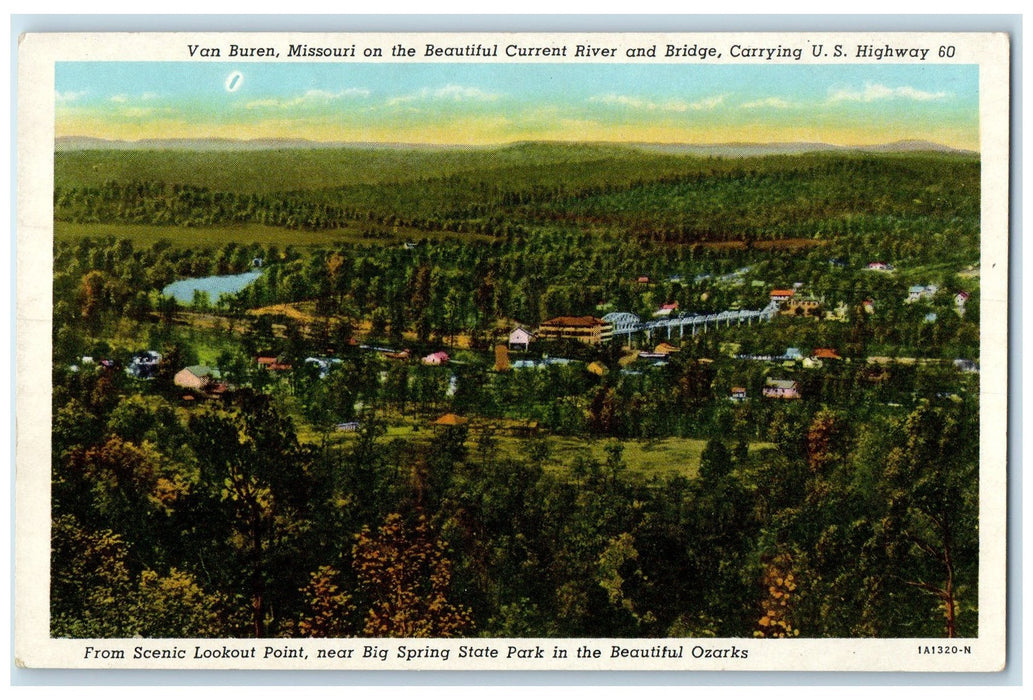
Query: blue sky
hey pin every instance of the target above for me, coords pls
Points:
(484, 103)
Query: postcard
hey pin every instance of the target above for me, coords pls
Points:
(512, 351)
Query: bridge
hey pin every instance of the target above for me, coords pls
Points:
(625, 323)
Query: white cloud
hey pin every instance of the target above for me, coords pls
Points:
(69, 95)
(665, 106)
(310, 97)
(452, 93)
(123, 98)
(770, 102)
(876, 91)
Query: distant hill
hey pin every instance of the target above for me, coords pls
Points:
(746, 150)
(65, 144)
(723, 150)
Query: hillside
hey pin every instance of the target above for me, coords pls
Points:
(663, 197)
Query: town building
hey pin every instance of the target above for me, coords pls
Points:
(144, 365)
(585, 329)
(918, 292)
(959, 302)
(520, 336)
(665, 310)
(450, 420)
(781, 389)
(197, 377)
(273, 364)
(436, 358)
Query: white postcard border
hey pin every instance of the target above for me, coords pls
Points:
(34, 648)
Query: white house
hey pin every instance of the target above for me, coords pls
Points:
(520, 336)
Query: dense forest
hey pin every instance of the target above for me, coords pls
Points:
(560, 489)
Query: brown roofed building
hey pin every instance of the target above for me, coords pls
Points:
(586, 329)
(451, 419)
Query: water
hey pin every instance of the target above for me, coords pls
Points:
(216, 286)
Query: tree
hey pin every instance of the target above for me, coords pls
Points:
(175, 606)
(250, 459)
(327, 609)
(406, 577)
(92, 295)
(930, 534)
(88, 580)
(779, 584)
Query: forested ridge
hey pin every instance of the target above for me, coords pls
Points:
(607, 495)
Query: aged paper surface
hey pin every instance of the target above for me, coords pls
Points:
(766, 288)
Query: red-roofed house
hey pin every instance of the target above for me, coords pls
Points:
(666, 310)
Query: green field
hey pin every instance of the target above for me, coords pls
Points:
(243, 234)
(643, 459)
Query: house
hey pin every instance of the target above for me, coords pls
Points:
(520, 336)
(917, 292)
(825, 354)
(273, 364)
(665, 310)
(436, 358)
(643, 279)
(738, 394)
(198, 377)
(450, 420)
(665, 349)
(930, 317)
(959, 302)
(597, 368)
(781, 389)
(144, 365)
(880, 267)
(586, 329)
(781, 295)
(793, 354)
